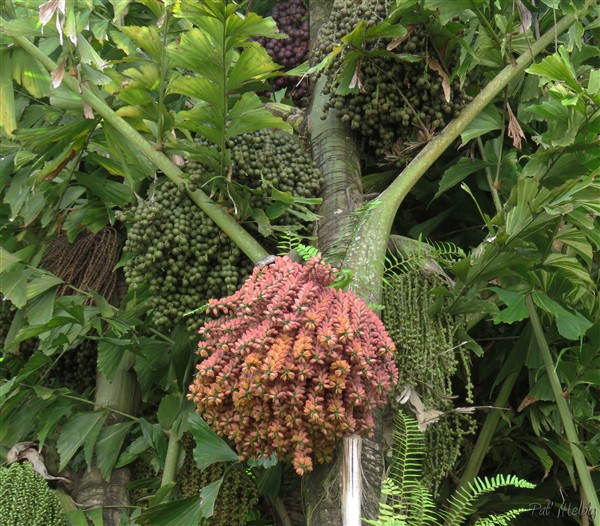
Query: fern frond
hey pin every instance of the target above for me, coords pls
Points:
(502, 519)
(423, 510)
(406, 497)
(462, 503)
(394, 266)
(408, 450)
(290, 241)
(407, 502)
(391, 521)
(307, 252)
(446, 252)
(416, 254)
(388, 515)
(287, 242)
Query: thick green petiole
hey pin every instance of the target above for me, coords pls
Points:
(566, 416)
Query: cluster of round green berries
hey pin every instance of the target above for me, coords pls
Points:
(184, 258)
(344, 17)
(26, 499)
(268, 159)
(400, 104)
(237, 495)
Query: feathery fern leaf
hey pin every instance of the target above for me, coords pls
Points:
(423, 510)
(462, 502)
(388, 516)
(407, 502)
(290, 241)
(406, 496)
(307, 252)
(408, 450)
(419, 255)
(502, 519)
(395, 265)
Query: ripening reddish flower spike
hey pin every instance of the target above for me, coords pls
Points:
(289, 357)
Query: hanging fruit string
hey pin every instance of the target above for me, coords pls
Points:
(428, 358)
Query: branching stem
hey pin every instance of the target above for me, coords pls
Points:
(490, 178)
(372, 247)
(171, 458)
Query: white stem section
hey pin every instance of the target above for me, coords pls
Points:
(351, 481)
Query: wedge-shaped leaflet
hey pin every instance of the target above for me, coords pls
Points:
(248, 115)
(77, 430)
(30, 74)
(254, 64)
(147, 38)
(211, 448)
(198, 52)
(570, 324)
(200, 88)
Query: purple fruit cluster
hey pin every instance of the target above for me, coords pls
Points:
(292, 19)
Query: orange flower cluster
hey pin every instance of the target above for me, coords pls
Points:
(292, 365)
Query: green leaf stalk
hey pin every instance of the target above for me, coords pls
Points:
(566, 416)
(371, 244)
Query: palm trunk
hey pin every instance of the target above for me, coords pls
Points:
(347, 490)
(327, 491)
(351, 481)
(93, 491)
(334, 491)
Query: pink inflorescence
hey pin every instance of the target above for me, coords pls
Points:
(292, 365)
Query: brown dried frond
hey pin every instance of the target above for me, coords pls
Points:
(100, 272)
(87, 264)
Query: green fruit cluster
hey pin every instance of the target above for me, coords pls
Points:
(428, 357)
(26, 499)
(76, 368)
(265, 159)
(141, 470)
(26, 348)
(184, 258)
(400, 104)
(237, 495)
(345, 16)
